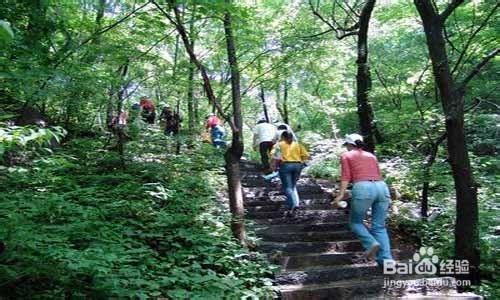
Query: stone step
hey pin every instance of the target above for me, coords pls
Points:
(342, 290)
(311, 236)
(293, 228)
(257, 182)
(328, 274)
(247, 164)
(373, 288)
(315, 248)
(278, 197)
(376, 287)
(280, 205)
(300, 262)
(302, 220)
(301, 216)
(301, 248)
(266, 187)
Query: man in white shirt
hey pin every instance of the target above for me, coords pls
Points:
(263, 136)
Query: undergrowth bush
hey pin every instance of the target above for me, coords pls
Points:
(75, 225)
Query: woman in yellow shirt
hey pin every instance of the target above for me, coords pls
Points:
(290, 155)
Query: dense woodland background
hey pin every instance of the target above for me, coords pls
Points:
(85, 212)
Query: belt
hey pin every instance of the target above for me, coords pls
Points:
(370, 180)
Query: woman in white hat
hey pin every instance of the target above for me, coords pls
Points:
(369, 191)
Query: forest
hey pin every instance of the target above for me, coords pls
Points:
(113, 184)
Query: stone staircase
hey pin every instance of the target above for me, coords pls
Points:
(315, 247)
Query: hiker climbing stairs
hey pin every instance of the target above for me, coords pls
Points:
(315, 248)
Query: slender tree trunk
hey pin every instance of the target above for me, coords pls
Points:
(174, 72)
(158, 93)
(98, 20)
(264, 105)
(430, 159)
(207, 86)
(363, 78)
(285, 103)
(190, 91)
(109, 107)
(235, 151)
(119, 129)
(190, 98)
(466, 229)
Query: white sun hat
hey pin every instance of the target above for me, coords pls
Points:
(352, 138)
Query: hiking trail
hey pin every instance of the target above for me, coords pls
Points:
(315, 247)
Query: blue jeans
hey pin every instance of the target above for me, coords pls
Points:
(217, 136)
(374, 194)
(289, 175)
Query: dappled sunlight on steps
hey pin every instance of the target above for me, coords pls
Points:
(315, 247)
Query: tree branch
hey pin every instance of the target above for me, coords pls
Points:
(396, 99)
(317, 34)
(317, 14)
(478, 68)
(472, 36)
(153, 46)
(102, 31)
(449, 9)
(257, 57)
(194, 59)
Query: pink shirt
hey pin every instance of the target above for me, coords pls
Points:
(359, 165)
(213, 121)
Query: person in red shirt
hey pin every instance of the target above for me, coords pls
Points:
(212, 121)
(369, 191)
(148, 110)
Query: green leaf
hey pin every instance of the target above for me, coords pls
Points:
(6, 33)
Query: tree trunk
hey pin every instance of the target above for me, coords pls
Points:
(190, 92)
(285, 103)
(431, 158)
(466, 229)
(207, 86)
(190, 98)
(264, 106)
(120, 130)
(98, 20)
(363, 79)
(174, 73)
(235, 151)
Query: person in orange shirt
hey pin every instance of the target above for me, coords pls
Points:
(291, 156)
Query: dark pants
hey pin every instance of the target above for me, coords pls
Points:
(171, 130)
(265, 148)
(149, 116)
(171, 127)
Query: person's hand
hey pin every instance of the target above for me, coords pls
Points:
(339, 198)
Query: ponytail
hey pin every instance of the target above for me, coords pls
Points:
(359, 144)
(287, 136)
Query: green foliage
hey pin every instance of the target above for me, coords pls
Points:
(19, 138)
(66, 58)
(6, 34)
(74, 225)
(328, 168)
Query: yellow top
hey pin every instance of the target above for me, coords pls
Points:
(293, 152)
